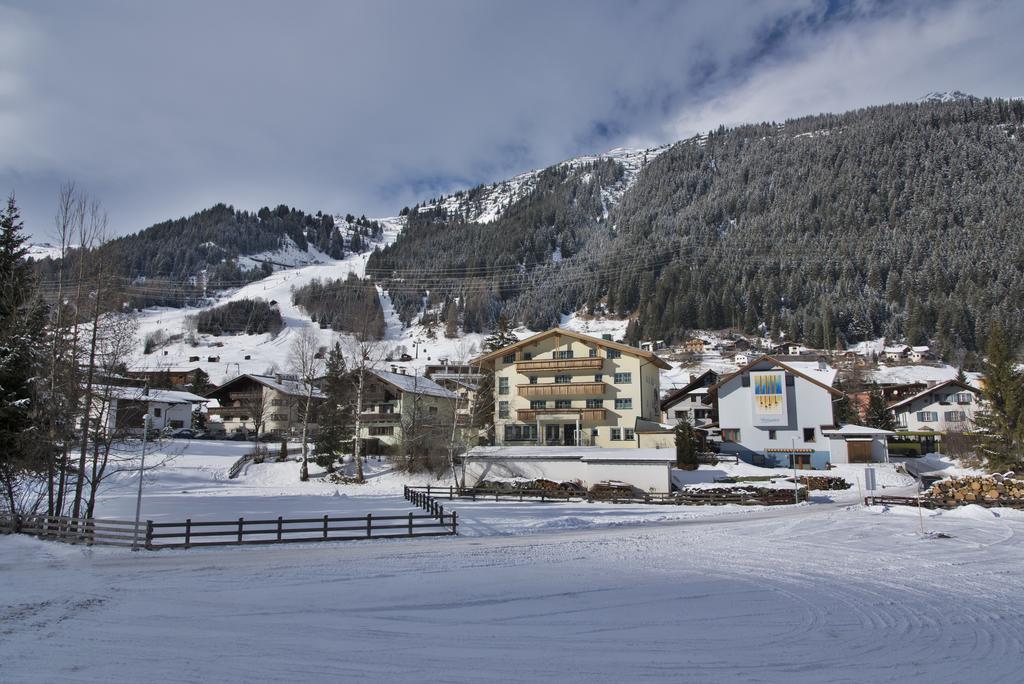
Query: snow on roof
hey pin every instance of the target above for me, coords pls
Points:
(922, 348)
(287, 386)
(415, 384)
(812, 369)
(635, 455)
(855, 430)
(933, 388)
(155, 395)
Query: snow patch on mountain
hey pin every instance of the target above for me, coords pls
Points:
(947, 96)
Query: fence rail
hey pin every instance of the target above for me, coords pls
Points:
(925, 502)
(237, 466)
(703, 497)
(97, 531)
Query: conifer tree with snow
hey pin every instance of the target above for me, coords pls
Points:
(877, 414)
(1000, 425)
(335, 414)
(686, 445)
(502, 335)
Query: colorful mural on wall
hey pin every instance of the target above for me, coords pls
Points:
(769, 393)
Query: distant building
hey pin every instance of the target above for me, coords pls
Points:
(176, 376)
(895, 353)
(121, 409)
(919, 354)
(564, 388)
(775, 414)
(948, 406)
(395, 405)
(691, 401)
(278, 399)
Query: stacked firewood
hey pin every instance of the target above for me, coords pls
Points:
(986, 490)
(823, 482)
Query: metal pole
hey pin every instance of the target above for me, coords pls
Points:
(796, 480)
(142, 468)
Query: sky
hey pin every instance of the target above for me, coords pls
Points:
(160, 109)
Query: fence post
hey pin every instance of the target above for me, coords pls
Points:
(325, 527)
(451, 491)
(369, 525)
(240, 523)
(410, 523)
(149, 534)
(428, 489)
(280, 525)
(188, 532)
(455, 522)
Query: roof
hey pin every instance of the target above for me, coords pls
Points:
(414, 384)
(533, 339)
(803, 369)
(165, 369)
(642, 426)
(295, 388)
(569, 453)
(154, 395)
(698, 382)
(856, 431)
(925, 392)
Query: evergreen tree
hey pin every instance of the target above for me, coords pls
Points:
(686, 445)
(842, 409)
(502, 335)
(1001, 424)
(200, 383)
(878, 414)
(335, 414)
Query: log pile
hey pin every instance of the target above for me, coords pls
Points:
(988, 490)
(746, 495)
(823, 482)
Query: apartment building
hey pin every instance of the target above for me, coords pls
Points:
(945, 407)
(274, 403)
(564, 388)
(398, 407)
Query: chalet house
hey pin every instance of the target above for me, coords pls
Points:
(691, 401)
(694, 346)
(121, 409)
(788, 349)
(743, 358)
(278, 399)
(396, 404)
(175, 376)
(948, 406)
(896, 353)
(919, 354)
(776, 414)
(564, 388)
(462, 379)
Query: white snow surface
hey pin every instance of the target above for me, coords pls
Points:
(723, 598)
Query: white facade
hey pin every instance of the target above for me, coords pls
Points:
(858, 444)
(947, 407)
(646, 469)
(794, 433)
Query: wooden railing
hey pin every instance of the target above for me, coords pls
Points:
(237, 466)
(75, 531)
(703, 497)
(586, 363)
(528, 415)
(554, 389)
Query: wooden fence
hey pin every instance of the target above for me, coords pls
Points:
(695, 497)
(925, 502)
(237, 466)
(76, 531)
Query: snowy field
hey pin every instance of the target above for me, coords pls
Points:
(808, 594)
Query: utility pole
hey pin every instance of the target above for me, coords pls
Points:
(142, 469)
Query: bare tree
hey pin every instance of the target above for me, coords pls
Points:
(362, 355)
(307, 364)
(257, 405)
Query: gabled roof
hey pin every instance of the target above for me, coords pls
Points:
(625, 348)
(674, 396)
(775, 362)
(414, 384)
(933, 388)
(856, 430)
(295, 388)
(160, 396)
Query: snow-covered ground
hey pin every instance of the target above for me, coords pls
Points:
(805, 594)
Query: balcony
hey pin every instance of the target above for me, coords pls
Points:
(376, 417)
(585, 414)
(572, 389)
(534, 365)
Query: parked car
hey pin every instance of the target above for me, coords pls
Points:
(181, 433)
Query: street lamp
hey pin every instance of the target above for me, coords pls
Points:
(142, 469)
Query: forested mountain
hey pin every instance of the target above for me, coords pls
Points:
(901, 220)
(167, 263)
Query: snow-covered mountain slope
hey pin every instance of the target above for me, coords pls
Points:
(947, 96)
(41, 250)
(486, 203)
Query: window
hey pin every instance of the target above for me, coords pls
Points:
(623, 378)
(157, 412)
(627, 434)
(593, 433)
(177, 424)
(533, 379)
(598, 378)
(592, 352)
(503, 409)
(623, 404)
(563, 354)
(616, 434)
(431, 410)
(538, 404)
(809, 434)
(520, 433)
(927, 416)
(386, 408)
(963, 398)
(730, 435)
(563, 379)
(381, 430)
(955, 416)
(613, 354)
(242, 419)
(509, 358)
(595, 403)
(772, 434)
(502, 385)
(527, 356)
(563, 403)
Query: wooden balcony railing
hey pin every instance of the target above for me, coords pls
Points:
(586, 363)
(380, 417)
(550, 389)
(585, 414)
